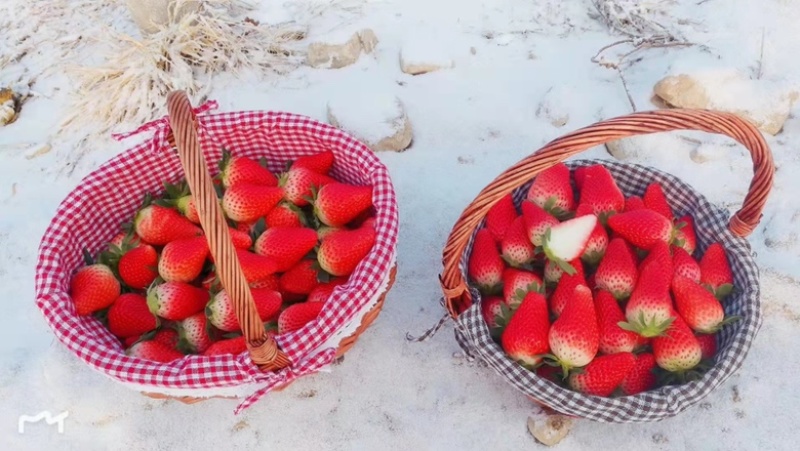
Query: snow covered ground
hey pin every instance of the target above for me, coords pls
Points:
(522, 74)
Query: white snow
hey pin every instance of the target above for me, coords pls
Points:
(471, 122)
(372, 113)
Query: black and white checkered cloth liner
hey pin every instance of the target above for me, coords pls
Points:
(711, 223)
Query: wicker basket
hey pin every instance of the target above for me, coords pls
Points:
(92, 213)
(711, 223)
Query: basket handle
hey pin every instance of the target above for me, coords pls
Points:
(457, 296)
(263, 349)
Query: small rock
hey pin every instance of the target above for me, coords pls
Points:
(377, 119)
(9, 106)
(151, 15)
(705, 153)
(421, 56)
(762, 102)
(336, 56)
(551, 431)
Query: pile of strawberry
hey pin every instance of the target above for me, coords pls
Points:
(598, 292)
(297, 237)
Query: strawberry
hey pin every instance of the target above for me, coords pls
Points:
(234, 346)
(684, 234)
(138, 267)
(193, 333)
(221, 314)
(649, 311)
(268, 303)
(319, 162)
(240, 239)
(525, 339)
(188, 208)
(574, 337)
(715, 271)
(551, 373)
(683, 264)
(516, 249)
(552, 191)
(336, 204)
(654, 199)
(183, 260)
(93, 288)
(176, 301)
(167, 336)
(324, 231)
(300, 279)
(600, 194)
(491, 309)
(210, 281)
(323, 291)
(659, 262)
(579, 174)
(678, 350)
(500, 216)
(553, 272)
(271, 281)
(537, 222)
(129, 316)
(567, 241)
(243, 170)
(634, 203)
(702, 311)
(617, 271)
(340, 252)
(517, 283)
(298, 182)
(128, 237)
(285, 214)
(613, 338)
(642, 228)
(153, 350)
(246, 202)
(159, 225)
(296, 316)
(641, 378)
(603, 374)
(286, 245)
(565, 290)
(596, 246)
(256, 267)
(485, 266)
(708, 345)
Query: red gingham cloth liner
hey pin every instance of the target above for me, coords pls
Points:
(92, 213)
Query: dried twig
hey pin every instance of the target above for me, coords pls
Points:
(760, 66)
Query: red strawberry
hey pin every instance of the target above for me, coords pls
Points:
(659, 262)
(298, 183)
(271, 281)
(336, 204)
(603, 374)
(613, 338)
(243, 170)
(300, 279)
(193, 333)
(298, 315)
(574, 337)
(516, 249)
(596, 246)
(551, 373)
(187, 207)
(256, 267)
(240, 239)
(565, 290)
(500, 216)
(553, 272)
(168, 337)
(684, 234)
(485, 267)
(138, 267)
(340, 252)
(537, 222)
(552, 191)
(525, 339)
(517, 283)
(221, 314)
(634, 203)
(578, 175)
(649, 311)
(320, 162)
(715, 271)
(678, 349)
(491, 309)
(153, 350)
(129, 316)
(246, 202)
(323, 291)
(176, 300)
(234, 346)
(285, 215)
(600, 193)
(708, 345)
(324, 231)
(702, 311)
(159, 225)
(286, 245)
(683, 264)
(654, 199)
(642, 228)
(93, 288)
(182, 260)
(641, 378)
(567, 241)
(268, 303)
(125, 238)
(617, 271)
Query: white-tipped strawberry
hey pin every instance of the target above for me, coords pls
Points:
(193, 332)
(567, 241)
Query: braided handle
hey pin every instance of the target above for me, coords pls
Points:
(263, 349)
(457, 296)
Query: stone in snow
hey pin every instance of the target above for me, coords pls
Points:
(377, 119)
(764, 103)
(420, 55)
(336, 56)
